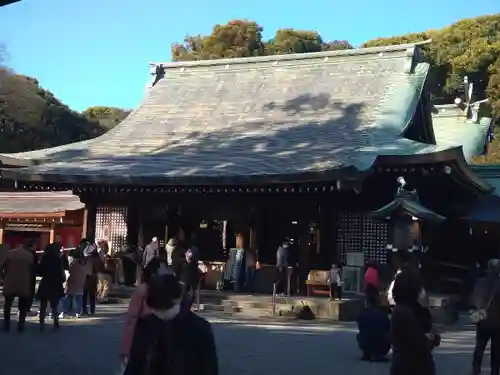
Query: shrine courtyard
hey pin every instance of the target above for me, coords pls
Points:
(89, 347)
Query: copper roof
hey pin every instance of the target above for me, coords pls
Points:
(38, 203)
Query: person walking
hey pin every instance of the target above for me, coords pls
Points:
(171, 340)
(411, 335)
(189, 278)
(281, 268)
(250, 269)
(486, 306)
(103, 274)
(18, 267)
(95, 265)
(137, 307)
(50, 290)
(78, 272)
(335, 282)
(150, 252)
(170, 248)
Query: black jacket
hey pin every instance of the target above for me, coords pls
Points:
(184, 346)
(412, 350)
(51, 270)
(189, 273)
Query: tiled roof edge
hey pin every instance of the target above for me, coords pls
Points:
(410, 47)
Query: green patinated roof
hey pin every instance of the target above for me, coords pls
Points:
(452, 129)
(410, 207)
(234, 119)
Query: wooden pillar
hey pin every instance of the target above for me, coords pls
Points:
(88, 230)
(1, 234)
(85, 222)
(52, 233)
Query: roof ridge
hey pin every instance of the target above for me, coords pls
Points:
(409, 47)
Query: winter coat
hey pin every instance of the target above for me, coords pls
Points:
(18, 266)
(190, 273)
(412, 350)
(137, 308)
(79, 269)
(484, 290)
(182, 345)
(51, 270)
(150, 252)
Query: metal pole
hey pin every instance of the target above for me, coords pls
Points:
(288, 280)
(198, 293)
(274, 299)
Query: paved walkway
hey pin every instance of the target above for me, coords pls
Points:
(89, 347)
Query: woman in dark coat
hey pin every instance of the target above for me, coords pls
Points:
(50, 290)
(411, 338)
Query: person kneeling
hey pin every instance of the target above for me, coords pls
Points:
(374, 327)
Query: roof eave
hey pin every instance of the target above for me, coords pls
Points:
(453, 155)
(346, 173)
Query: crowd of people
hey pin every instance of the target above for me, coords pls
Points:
(159, 312)
(406, 326)
(69, 282)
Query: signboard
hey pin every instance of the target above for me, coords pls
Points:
(355, 259)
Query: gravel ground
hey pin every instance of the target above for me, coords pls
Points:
(89, 346)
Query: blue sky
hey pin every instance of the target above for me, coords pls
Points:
(96, 52)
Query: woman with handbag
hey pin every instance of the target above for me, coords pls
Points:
(486, 315)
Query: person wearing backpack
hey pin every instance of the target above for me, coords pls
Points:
(171, 340)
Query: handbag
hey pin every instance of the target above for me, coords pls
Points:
(480, 315)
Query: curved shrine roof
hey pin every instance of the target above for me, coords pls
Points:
(275, 118)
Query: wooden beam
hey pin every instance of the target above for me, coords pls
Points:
(37, 215)
(1, 234)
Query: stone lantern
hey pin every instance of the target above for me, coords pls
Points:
(405, 215)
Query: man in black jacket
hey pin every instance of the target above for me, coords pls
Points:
(171, 340)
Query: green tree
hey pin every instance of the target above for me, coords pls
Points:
(469, 47)
(33, 118)
(238, 38)
(108, 117)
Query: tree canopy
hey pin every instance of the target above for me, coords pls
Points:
(32, 117)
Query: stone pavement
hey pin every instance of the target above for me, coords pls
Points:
(89, 346)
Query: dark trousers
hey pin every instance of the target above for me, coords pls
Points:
(281, 279)
(188, 295)
(54, 305)
(336, 291)
(250, 274)
(89, 295)
(483, 335)
(23, 303)
(374, 348)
